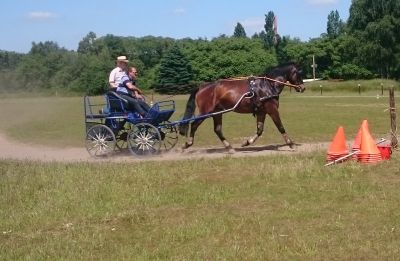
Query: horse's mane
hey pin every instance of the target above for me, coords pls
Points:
(277, 70)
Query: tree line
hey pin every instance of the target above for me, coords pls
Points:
(365, 46)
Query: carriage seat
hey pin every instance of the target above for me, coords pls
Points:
(116, 102)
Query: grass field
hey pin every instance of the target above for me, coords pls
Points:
(277, 207)
(264, 208)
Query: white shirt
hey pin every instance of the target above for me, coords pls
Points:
(122, 87)
(115, 76)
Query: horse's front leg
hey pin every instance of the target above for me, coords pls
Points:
(218, 130)
(278, 123)
(260, 130)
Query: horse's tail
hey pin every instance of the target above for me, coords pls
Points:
(189, 112)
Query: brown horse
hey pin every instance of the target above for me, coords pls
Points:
(256, 95)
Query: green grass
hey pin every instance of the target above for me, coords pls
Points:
(265, 208)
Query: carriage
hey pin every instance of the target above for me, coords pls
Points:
(110, 127)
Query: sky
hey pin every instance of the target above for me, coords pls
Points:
(67, 22)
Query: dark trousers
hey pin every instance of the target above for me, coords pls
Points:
(134, 104)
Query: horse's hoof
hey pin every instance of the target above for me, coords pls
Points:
(231, 151)
(186, 145)
(245, 143)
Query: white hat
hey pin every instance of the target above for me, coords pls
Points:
(122, 59)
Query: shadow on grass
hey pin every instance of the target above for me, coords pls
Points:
(271, 147)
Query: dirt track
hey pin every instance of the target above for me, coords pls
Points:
(10, 149)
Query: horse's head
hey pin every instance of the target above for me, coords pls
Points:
(287, 73)
(294, 77)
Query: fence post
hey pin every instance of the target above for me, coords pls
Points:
(393, 139)
(320, 87)
(359, 89)
(381, 88)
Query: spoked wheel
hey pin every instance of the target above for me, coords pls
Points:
(100, 141)
(169, 136)
(144, 139)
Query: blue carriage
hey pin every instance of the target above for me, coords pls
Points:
(111, 128)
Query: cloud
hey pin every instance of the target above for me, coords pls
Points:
(179, 11)
(321, 2)
(41, 15)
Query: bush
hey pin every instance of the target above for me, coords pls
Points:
(350, 71)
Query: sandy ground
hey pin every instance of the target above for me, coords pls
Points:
(10, 149)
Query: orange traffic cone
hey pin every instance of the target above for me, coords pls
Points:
(369, 152)
(357, 141)
(338, 148)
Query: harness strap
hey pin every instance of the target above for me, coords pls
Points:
(264, 77)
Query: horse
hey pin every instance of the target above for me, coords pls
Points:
(256, 95)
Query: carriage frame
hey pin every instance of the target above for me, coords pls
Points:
(111, 128)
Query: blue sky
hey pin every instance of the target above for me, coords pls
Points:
(68, 21)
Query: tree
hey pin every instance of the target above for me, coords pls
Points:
(239, 31)
(114, 45)
(375, 24)
(9, 60)
(271, 37)
(175, 73)
(227, 57)
(87, 45)
(334, 25)
(43, 61)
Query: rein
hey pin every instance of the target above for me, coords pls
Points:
(284, 83)
(264, 77)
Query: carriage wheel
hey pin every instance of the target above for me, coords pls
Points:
(100, 141)
(144, 139)
(169, 136)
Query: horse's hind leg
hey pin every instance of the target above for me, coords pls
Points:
(260, 130)
(193, 129)
(218, 130)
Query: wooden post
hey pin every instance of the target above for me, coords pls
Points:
(313, 66)
(393, 139)
(359, 89)
(320, 87)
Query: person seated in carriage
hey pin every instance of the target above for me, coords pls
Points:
(128, 90)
